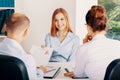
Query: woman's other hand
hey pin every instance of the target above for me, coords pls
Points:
(87, 38)
(69, 74)
(43, 46)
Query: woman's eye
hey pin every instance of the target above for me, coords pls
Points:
(62, 19)
(56, 20)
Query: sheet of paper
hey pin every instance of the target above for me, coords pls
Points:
(51, 72)
(41, 55)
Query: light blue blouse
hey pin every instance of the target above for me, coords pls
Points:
(63, 51)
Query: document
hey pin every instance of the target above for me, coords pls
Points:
(52, 71)
(41, 55)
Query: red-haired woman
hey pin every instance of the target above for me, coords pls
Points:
(61, 38)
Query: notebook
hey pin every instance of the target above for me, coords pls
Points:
(40, 55)
(52, 72)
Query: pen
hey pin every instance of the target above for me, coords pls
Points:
(50, 66)
(74, 76)
(51, 70)
(66, 70)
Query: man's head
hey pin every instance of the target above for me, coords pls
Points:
(17, 25)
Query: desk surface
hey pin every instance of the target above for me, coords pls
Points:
(60, 75)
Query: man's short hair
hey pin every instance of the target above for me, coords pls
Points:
(17, 21)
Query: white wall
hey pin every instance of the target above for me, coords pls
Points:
(19, 5)
(40, 13)
(81, 9)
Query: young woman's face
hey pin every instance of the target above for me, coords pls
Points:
(60, 21)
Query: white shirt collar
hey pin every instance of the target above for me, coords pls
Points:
(14, 43)
(99, 36)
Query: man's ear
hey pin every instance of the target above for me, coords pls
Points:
(26, 32)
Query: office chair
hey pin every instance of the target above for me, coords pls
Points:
(12, 68)
(113, 70)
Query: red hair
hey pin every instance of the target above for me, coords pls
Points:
(96, 17)
(53, 27)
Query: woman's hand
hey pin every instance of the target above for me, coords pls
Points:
(87, 38)
(69, 74)
(43, 46)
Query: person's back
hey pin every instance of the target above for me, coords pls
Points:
(12, 48)
(100, 52)
(93, 57)
(17, 27)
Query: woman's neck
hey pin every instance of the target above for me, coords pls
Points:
(62, 34)
(98, 32)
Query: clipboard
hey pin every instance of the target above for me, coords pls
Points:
(51, 73)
